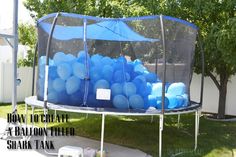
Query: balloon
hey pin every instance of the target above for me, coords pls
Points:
(129, 89)
(186, 100)
(41, 71)
(136, 101)
(145, 89)
(107, 72)
(79, 70)
(52, 72)
(137, 61)
(72, 84)
(121, 102)
(173, 102)
(159, 102)
(59, 57)
(64, 70)
(95, 74)
(121, 76)
(70, 58)
(151, 77)
(81, 54)
(140, 68)
(58, 85)
(122, 59)
(106, 61)
(53, 97)
(76, 98)
(116, 89)
(63, 98)
(129, 68)
(104, 84)
(177, 88)
(96, 60)
(152, 100)
(157, 89)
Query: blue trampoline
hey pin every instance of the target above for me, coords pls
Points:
(144, 63)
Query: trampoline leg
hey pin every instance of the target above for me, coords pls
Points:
(160, 134)
(178, 120)
(151, 119)
(102, 135)
(196, 128)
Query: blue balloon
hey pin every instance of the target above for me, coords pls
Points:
(41, 70)
(151, 77)
(137, 61)
(121, 102)
(64, 70)
(186, 100)
(159, 102)
(107, 72)
(122, 59)
(116, 89)
(136, 101)
(81, 54)
(70, 58)
(59, 85)
(152, 100)
(140, 68)
(72, 84)
(95, 74)
(79, 70)
(145, 89)
(129, 68)
(96, 60)
(63, 98)
(104, 84)
(129, 89)
(52, 72)
(107, 61)
(53, 97)
(76, 99)
(59, 57)
(121, 76)
(177, 88)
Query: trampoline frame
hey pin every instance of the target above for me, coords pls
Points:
(46, 105)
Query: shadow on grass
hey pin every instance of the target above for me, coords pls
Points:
(216, 139)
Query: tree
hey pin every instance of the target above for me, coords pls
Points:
(215, 18)
(217, 23)
(27, 36)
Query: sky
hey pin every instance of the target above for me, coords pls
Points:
(6, 13)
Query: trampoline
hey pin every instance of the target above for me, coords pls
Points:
(137, 66)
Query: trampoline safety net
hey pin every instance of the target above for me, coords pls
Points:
(124, 55)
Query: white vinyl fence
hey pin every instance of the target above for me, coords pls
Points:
(210, 100)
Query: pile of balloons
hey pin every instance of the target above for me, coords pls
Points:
(131, 84)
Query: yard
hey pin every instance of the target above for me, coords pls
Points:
(216, 139)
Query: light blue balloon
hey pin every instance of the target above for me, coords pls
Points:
(79, 70)
(186, 100)
(173, 102)
(64, 71)
(104, 84)
(41, 70)
(53, 97)
(70, 58)
(59, 57)
(129, 89)
(177, 88)
(72, 84)
(137, 61)
(81, 54)
(136, 101)
(121, 102)
(59, 85)
(157, 89)
(116, 89)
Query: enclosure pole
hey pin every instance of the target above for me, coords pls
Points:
(160, 134)
(178, 120)
(14, 57)
(34, 64)
(102, 135)
(164, 64)
(47, 61)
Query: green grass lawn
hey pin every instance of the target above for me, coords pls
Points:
(216, 139)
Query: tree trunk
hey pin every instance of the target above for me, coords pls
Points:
(222, 95)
